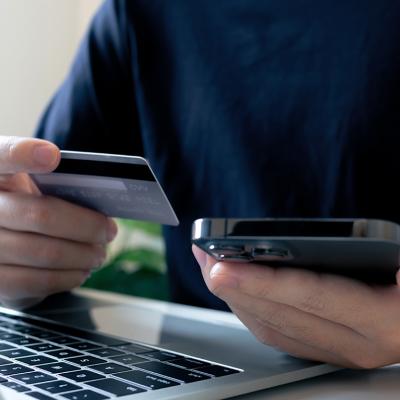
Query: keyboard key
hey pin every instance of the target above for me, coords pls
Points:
(100, 339)
(147, 379)
(31, 378)
(64, 353)
(106, 352)
(15, 353)
(162, 355)
(24, 341)
(36, 360)
(86, 360)
(217, 370)
(26, 330)
(115, 387)
(59, 367)
(82, 376)
(172, 372)
(110, 368)
(136, 349)
(11, 369)
(6, 346)
(84, 395)
(40, 396)
(62, 340)
(189, 363)
(15, 386)
(58, 387)
(44, 347)
(3, 361)
(83, 346)
(44, 334)
(128, 359)
(8, 336)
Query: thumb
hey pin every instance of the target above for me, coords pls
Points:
(27, 155)
(200, 255)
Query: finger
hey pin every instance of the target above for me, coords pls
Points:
(200, 255)
(54, 217)
(331, 297)
(302, 327)
(312, 332)
(33, 250)
(271, 337)
(27, 155)
(23, 282)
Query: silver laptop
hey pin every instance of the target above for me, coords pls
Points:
(121, 347)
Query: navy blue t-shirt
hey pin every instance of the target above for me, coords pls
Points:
(244, 108)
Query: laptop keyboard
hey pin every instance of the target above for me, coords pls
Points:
(45, 361)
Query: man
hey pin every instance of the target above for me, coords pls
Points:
(244, 109)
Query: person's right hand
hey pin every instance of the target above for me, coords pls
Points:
(47, 245)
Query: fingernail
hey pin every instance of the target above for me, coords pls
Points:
(112, 229)
(45, 154)
(219, 271)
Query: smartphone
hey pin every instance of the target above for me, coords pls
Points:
(364, 249)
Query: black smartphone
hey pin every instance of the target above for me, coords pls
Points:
(364, 249)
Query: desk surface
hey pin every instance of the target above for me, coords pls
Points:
(383, 383)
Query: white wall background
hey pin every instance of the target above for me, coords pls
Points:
(38, 39)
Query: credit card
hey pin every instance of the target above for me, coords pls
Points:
(115, 185)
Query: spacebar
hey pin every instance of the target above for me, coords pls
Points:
(172, 372)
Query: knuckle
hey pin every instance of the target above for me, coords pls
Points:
(313, 302)
(276, 318)
(263, 290)
(312, 296)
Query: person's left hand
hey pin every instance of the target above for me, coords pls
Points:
(308, 315)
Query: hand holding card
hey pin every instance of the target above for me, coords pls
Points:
(115, 185)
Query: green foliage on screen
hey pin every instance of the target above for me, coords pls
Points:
(135, 264)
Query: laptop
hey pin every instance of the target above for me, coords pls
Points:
(94, 346)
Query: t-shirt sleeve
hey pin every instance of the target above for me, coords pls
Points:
(95, 108)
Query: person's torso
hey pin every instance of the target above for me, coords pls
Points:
(255, 108)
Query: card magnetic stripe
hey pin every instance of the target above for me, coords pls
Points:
(107, 169)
